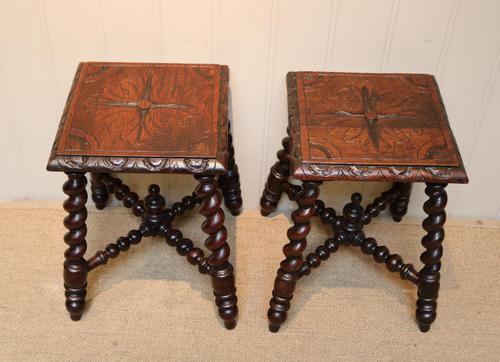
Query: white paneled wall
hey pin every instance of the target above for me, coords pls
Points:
(42, 41)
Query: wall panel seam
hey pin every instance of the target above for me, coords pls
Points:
(478, 119)
(50, 52)
(477, 122)
(332, 30)
(164, 23)
(389, 35)
(214, 34)
(212, 30)
(496, 212)
(101, 30)
(445, 46)
(158, 29)
(14, 133)
(270, 68)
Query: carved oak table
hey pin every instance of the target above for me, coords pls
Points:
(363, 127)
(148, 118)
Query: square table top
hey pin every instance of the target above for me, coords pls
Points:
(370, 127)
(144, 117)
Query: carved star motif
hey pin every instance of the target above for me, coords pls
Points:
(144, 106)
(373, 118)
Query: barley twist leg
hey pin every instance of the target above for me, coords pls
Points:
(75, 266)
(221, 270)
(288, 273)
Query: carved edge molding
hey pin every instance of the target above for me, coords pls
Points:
(223, 121)
(293, 116)
(379, 173)
(339, 172)
(135, 164)
(145, 164)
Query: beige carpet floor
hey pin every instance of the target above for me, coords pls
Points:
(150, 304)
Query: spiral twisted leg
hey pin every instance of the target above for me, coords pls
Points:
(288, 273)
(428, 280)
(230, 182)
(221, 270)
(75, 266)
(278, 175)
(399, 207)
(100, 194)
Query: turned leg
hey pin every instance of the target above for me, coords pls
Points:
(288, 273)
(123, 193)
(230, 182)
(400, 205)
(100, 194)
(278, 175)
(428, 279)
(221, 270)
(75, 266)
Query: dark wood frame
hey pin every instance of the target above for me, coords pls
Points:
(156, 221)
(217, 176)
(348, 230)
(348, 227)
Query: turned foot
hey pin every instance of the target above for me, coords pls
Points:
(274, 327)
(230, 324)
(75, 317)
(424, 328)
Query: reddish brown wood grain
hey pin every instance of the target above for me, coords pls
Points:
(144, 117)
(362, 126)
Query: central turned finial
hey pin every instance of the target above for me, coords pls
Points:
(371, 116)
(144, 104)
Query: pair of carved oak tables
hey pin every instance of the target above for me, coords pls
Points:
(173, 118)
